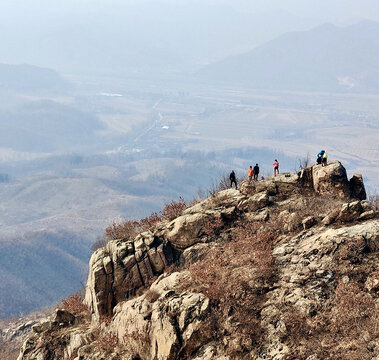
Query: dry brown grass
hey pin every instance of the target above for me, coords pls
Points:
(106, 319)
(129, 229)
(373, 198)
(298, 209)
(74, 304)
(234, 276)
(107, 343)
(349, 325)
(174, 209)
(137, 343)
(212, 227)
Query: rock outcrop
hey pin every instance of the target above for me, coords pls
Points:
(143, 304)
(164, 322)
(123, 266)
(332, 180)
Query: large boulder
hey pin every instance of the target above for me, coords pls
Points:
(350, 211)
(164, 322)
(331, 179)
(357, 188)
(224, 199)
(255, 202)
(121, 267)
(187, 230)
(250, 188)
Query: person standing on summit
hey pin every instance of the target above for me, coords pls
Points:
(256, 171)
(250, 173)
(232, 178)
(276, 167)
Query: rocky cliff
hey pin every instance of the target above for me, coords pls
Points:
(280, 269)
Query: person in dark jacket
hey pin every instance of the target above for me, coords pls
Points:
(256, 172)
(320, 156)
(232, 178)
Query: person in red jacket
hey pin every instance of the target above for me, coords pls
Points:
(276, 167)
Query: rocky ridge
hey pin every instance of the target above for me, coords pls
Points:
(143, 303)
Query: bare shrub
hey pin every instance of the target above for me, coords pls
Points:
(170, 269)
(355, 310)
(351, 251)
(105, 319)
(220, 184)
(126, 230)
(224, 182)
(349, 326)
(174, 209)
(213, 227)
(106, 343)
(74, 304)
(373, 198)
(130, 228)
(136, 342)
(303, 162)
(354, 323)
(233, 277)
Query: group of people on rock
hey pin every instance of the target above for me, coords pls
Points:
(322, 158)
(252, 173)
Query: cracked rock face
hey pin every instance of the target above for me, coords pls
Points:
(121, 267)
(162, 328)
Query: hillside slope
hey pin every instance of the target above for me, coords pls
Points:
(280, 269)
(31, 79)
(327, 58)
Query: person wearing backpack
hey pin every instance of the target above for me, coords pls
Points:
(319, 156)
(256, 171)
(232, 178)
(276, 167)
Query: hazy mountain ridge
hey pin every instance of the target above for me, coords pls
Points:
(141, 38)
(31, 261)
(32, 79)
(326, 58)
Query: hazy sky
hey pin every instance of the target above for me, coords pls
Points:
(67, 34)
(331, 10)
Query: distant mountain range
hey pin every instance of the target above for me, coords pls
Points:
(29, 78)
(136, 37)
(326, 58)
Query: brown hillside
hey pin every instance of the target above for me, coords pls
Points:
(280, 269)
